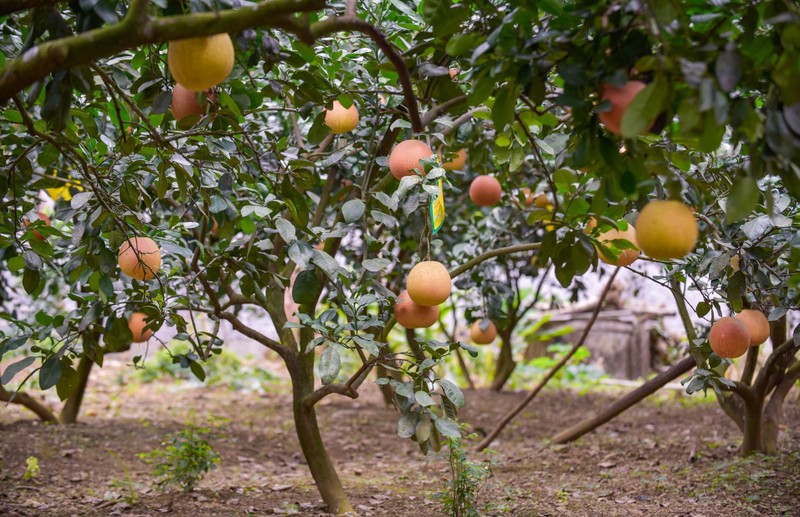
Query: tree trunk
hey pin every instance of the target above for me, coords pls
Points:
(622, 404)
(751, 441)
(465, 369)
(505, 362)
(305, 419)
(69, 413)
(386, 390)
(773, 413)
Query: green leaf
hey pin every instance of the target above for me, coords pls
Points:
(80, 199)
(68, 382)
(329, 364)
(375, 265)
(645, 107)
(30, 280)
(424, 399)
(448, 427)
(306, 287)
(13, 369)
(407, 425)
(197, 370)
(118, 335)
(742, 199)
(452, 392)
(50, 372)
(504, 103)
(286, 229)
(353, 210)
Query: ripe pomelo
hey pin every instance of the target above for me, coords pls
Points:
(479, 336)
(542, 201)
(485, 191)
(429, 283)
(457, 163)
(666, 230)
(626, 256)
(413, 316)
(757, 324)
(137, 325)
(729, 337)
(620, 98)
(405, 157)
(201, 63)
(140, 258)
(185, 104)
(341, 119)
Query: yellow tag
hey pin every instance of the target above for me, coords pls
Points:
(437, 210)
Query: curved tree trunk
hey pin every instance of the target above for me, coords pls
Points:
(622, 404)
(505, 362)
(23, 399)
(72, 407)
(305, 419)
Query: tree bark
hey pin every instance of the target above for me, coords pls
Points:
(23, 399)
(72, 407)
(625, 402)
(773, 412)
(465, 369)
(319, 462)
(505, 362)
(751, 441)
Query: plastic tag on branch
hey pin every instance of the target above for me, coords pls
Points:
(437, 210)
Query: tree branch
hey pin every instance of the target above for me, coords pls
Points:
(254, 334)
(433, 113)
(348, 389)
(132, 32)
(23, 399)
(14, 6)
(517, 248)
(343, 23)
(550, 374)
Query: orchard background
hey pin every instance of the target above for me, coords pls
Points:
(420, 202)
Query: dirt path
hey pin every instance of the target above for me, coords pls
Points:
(663, 458)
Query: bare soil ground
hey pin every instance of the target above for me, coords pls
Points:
(665, 457)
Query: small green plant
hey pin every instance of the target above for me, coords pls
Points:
(128, 488)
(31, 468)
(459, 498)
(184, 458)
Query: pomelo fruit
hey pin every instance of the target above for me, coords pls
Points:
(666, 230)
(626, 256)
(137, 325)
(413, 316)
(729, 337)
(341, 119)
(757, 324)
(482, 337)
(620, 98)
(457, 163)
(429, 283)
(140, 258)
(185, 104)
(485, 191)
(201, 63)
(405, 157)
